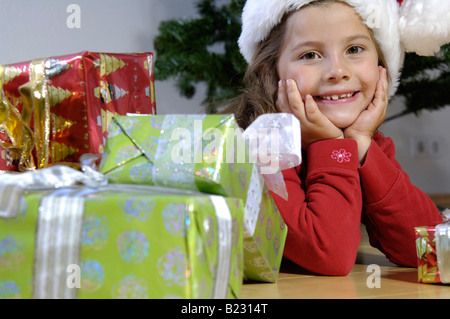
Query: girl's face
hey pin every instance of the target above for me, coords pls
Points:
(330, 54)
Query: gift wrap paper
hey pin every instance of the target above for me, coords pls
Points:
(433, 253)
(263, 250)
(6, 160)
(124, 244)
(200, 153)
(56, 109)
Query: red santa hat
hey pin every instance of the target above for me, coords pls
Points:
(398, 26)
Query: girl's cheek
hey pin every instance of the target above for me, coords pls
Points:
(304, 86)
(303, 91)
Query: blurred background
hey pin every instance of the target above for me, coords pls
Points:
(32, 29)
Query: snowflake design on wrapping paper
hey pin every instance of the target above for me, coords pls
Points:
(136, 209)
(150, 146)
(133, 246)
(269, 229)
(341, 156)
(126, 153)
(92, 275)
(11, 253)
(172, 267)
(130, 287)
(94, 232)
(9, 290)
(176, 218)
(142, 174)
(276, 244)
(156, 122)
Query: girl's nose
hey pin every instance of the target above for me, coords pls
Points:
(337, 70)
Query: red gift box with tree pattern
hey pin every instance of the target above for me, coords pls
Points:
(56, 109)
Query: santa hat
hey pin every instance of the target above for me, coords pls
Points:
(399, 26)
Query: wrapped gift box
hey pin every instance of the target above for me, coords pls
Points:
(433, 252)
(263, 250)
(176, 151)
(204, 153)
(6, 161)
(59, 108)
(122, 242)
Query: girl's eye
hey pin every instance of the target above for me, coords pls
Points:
(355, 50)
(309, 56)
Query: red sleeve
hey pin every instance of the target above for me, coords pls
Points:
(392, 205)
(323, 211)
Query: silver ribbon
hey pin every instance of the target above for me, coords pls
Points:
(442, 236)
(225, 247)
(13, 185)
(58, 242)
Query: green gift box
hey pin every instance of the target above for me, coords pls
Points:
(122, 241)
(192, 152)
(263, 250)
(205, 153)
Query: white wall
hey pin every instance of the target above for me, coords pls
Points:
(430, 172)
(37, 28)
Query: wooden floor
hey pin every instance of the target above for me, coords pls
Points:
(395, 282)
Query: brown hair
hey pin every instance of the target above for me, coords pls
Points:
(261, 78)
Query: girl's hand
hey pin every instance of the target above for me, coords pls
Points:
(314, 125)
(370, 119)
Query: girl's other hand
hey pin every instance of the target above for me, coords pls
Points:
(314, 125)
(371, 118)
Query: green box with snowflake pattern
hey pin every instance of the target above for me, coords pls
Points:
(133, 244)
(205, 153)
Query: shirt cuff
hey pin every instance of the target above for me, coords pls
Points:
(338, 153)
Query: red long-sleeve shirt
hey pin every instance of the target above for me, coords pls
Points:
(330, 194)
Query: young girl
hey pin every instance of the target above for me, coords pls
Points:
(326, 63)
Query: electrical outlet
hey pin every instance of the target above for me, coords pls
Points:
(435, 145)
(426, 146)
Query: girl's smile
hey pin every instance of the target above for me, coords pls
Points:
(337, 97)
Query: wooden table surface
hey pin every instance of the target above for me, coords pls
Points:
(394, 282)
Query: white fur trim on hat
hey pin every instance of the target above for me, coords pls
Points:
(424, 25)
(259, 17)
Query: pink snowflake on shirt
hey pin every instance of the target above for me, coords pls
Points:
(341, 156)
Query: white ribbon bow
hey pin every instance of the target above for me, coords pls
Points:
(274, 143)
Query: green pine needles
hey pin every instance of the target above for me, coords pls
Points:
(425, 82)
(205, 50)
